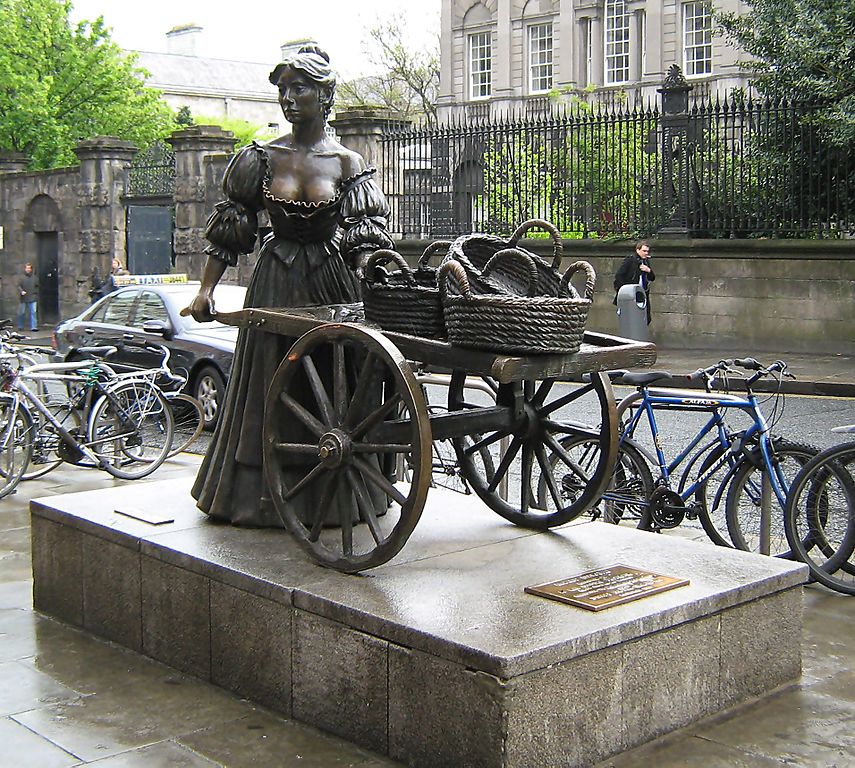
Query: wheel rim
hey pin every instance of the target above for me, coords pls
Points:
(545, 415)
(207, 392)
(357, 389)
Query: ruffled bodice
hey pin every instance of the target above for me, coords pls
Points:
(354, 218)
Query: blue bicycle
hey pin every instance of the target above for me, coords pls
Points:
(728, 479)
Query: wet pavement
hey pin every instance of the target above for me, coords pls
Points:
(69, 699)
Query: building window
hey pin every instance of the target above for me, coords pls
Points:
(617, 42)
(588, 48)
(697, 39)
(480, 65)
(540, 57)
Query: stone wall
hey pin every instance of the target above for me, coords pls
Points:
(80, 205)
(760, 294)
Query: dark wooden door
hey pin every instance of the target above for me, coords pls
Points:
(48, 274)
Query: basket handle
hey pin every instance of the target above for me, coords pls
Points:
(452, 268)
(557, 242)
(383, 256)
(434, 247)
(511, 254)
(590, 280)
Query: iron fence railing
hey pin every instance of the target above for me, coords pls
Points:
(730, 168)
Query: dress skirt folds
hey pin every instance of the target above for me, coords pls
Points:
(300, 264)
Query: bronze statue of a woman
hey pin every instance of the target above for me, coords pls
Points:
(325, 212)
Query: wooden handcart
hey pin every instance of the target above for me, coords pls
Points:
(371, 431)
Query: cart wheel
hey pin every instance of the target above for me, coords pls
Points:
(344, 418)
(529, 454)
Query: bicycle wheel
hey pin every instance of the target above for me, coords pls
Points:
(746, 494)
(820, 518)
(628, 490)
(130, 430)
(16, 442)
(189, 421)
(47, 443)
(711, 497)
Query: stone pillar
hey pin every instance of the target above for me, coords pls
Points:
(192, 146)
(13, 162)
(675, 172)
(103, 177)
(360, 129)
(502, 58)
(566, 50)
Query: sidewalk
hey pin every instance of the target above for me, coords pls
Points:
(70, 699)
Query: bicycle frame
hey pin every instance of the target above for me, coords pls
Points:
(647, 401)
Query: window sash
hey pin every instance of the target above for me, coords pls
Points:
(540, 57)
(480, 65)
(697, 39)
(617, 42)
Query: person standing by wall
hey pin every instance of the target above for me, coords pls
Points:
(28, 292)
(636, 269)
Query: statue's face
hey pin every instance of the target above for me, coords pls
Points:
(299, 96)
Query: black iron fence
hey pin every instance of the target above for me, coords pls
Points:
(729, 168)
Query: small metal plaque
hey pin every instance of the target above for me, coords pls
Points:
(146, 516)
(606, 587)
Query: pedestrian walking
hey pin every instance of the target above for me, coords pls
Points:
(636, 269)
(28, 292)
(116, 269)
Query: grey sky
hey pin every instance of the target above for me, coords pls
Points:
(255, 34)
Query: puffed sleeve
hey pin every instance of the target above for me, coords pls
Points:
(233, 225)
(364, 217)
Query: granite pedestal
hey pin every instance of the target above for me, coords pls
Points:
(439, 657)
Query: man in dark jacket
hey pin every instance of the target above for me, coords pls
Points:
(28, 294)
(636, 269)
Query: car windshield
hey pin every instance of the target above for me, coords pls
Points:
(227, 298)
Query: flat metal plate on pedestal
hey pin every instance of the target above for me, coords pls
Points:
(606, 587)
(146, 515)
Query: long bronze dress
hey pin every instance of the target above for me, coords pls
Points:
(300, 264)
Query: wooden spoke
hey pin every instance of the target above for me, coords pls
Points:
(298, 487)
(562, 454)
(505, 464)
(346, 522)
(566, 399)
(363, 389)
(299, 448)
(485, 441)
(382, 448)
(376, 477)
(525, 480)
(318, 390)
(323, 506)
(364, 505)
(339, 383)
(549, 478)
(376, 416)
(302, 414)
(569, 428)
(542, 393)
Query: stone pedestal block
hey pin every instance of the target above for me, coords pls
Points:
(439, 657)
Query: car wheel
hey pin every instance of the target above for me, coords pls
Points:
(209, 388)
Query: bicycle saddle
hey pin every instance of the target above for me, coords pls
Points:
(643, 378)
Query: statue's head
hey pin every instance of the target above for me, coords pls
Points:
(313, 62)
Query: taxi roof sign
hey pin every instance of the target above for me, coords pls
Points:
(122, 280)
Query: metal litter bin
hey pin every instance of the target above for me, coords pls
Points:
(632, 312)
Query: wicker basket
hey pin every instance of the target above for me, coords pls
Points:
(406, 301)
(475, 250)
(515, 324)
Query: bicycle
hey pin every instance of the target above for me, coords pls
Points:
(727, 457)
(120, 423)
(819, 519)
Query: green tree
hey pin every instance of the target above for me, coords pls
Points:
(61, 83)
(408, 79)
(803, 49)
(244, 131)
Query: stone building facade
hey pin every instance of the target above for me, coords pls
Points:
(508, 56)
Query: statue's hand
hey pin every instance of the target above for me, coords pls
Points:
(201, 308)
